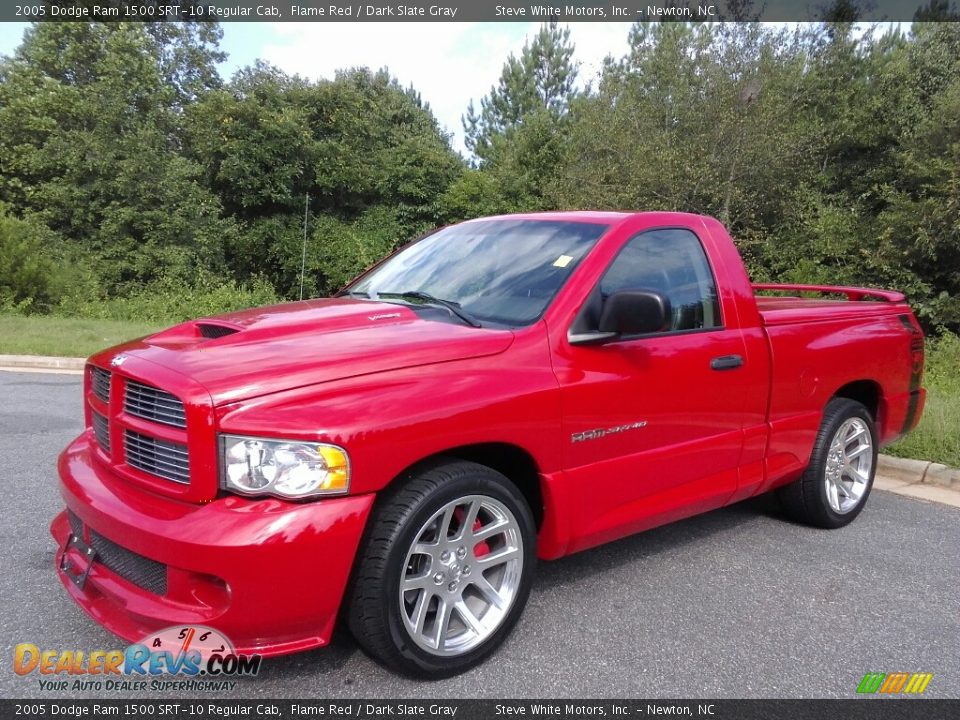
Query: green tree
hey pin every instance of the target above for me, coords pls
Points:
(919, 229)
(91, 118)
(541, 80)
(695, 117)
(354, 144)
(253, 140)
(521, 130)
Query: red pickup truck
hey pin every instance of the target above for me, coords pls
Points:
(502, 390)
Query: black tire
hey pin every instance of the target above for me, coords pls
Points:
(374, 612)
(805, 500)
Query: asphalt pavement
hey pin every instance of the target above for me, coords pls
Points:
(735, 603)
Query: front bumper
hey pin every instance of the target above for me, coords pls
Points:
(268, 574)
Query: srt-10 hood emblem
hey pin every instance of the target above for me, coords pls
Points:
(383, 316)
(118, 361)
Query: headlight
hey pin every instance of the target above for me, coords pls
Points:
(286, 468)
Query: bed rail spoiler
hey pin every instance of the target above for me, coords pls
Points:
(852, 293)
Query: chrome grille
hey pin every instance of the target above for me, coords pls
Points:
(100, 383)
(101, 431)
(151, 403)
(157, 457)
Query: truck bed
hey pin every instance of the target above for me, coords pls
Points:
(792, 308)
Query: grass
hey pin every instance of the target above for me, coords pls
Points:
(937, 437)
(65, 337)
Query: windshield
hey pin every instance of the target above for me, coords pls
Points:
(497, 271)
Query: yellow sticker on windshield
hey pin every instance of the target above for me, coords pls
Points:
(562, 261)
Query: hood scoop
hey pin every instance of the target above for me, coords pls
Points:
(215, 330)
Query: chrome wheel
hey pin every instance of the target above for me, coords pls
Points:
(461, 575)
(849, 465)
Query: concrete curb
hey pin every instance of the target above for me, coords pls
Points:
(41, 362)
(913, 472)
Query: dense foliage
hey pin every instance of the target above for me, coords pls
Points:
(134, 182)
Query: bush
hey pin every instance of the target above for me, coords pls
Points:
(28, 273)
(937, 437)
(168, 301)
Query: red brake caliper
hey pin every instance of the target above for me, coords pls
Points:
(481, 548)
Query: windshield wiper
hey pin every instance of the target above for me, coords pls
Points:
(453, 307)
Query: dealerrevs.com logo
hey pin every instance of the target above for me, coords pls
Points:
(183, 657)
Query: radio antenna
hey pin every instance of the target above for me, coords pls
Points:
(303, 255)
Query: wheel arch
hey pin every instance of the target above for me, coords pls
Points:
(868, 393)
(512, 461)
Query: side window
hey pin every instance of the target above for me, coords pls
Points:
(673, 263)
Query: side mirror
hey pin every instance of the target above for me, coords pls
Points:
(628, 312)
(635, 312)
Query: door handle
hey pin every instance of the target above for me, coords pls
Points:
(726, 362)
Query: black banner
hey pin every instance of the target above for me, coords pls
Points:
(853, 709)
(478, 10)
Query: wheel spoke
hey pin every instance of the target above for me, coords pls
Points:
(498, 557)
(422, 548)
(469, 518)
(489, 592)
(471, 620)
(857, 432)
(417, 582)
(843, 489)
(857, 453)
(420, 609)
(443, 622)
(854, 474)
(444, 530)
(488, 531)
(832, 495)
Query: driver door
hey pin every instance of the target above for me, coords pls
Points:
(652, 424)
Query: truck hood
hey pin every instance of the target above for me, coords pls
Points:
(255, 352)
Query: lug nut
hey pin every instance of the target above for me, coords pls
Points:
(438, 578)
(445, 556)
(466, 570)
(452, 586)
(461, 552)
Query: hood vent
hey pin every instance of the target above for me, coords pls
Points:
(210, 330)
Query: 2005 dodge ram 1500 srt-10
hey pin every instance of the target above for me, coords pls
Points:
(502, 390)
